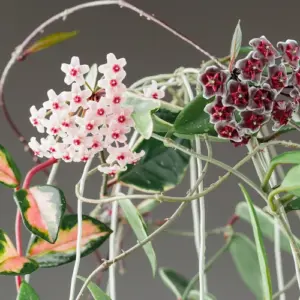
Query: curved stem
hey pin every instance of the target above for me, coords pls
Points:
(18, 232)
(79, 229)
(286, 287)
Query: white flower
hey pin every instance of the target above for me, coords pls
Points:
(37, 118)
(153, 91)
(36, 147)
(113, 65)
(121, 115)
(111, 170)
(113, 82)
(74, 71)
(56, 103)
(116, 133)
(77, 97)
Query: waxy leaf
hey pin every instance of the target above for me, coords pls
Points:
(9, 172)
(244, 256)
(94, 234)
(291, 181)
(195, 295)
(143, 108)
(235, 45)
(266, 223)
(138, 226)
(160, 169)
(174, 281)
(147, 206)
(193, 119)
(48, 41)
(260, 248)
(27, 292)
(91, 78)
(95, 290)
(10, 262)
(292, 205)
(42, 209)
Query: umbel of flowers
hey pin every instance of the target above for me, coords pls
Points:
(263, 86)
(82, 122)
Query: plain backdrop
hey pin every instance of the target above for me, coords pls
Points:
(149, 50)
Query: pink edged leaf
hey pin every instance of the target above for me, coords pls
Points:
(9, 172)
(94, 234)
(10, 262)
(42, 209)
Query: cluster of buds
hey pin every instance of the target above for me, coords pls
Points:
(82, 122)
(256, 91)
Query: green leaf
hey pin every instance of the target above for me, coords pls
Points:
(193, 119)
(291, 181)
(139, 228)
(245, 50)
(160, 169)
(94, 234)
(195, 295)
(143, 108)
(91, 77)
(95, 290)
(244, 256)
(160, 125)
(174, 281)
(42, 209)
(27, 292)
(10, 261)
(266, 223)
(48, 41)
(292, 205)
(260, 248)
(235, 45)
(147, 206)
(9, 172)
(290, 157)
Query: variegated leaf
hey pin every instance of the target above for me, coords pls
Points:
(9, 172)
(42, 209)
(10, 262)
(94, 233)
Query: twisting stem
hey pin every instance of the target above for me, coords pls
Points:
(79, 229)
(286, 287)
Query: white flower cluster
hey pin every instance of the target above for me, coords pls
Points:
(79, 124)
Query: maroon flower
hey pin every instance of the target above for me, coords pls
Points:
(252, 121)
(290, 52)
(219, 112)
(282, 113)
(277, 77)
(244, 141)
(295, 79)
(250, 68)
(261, 99)
(228, 130)
(238, 95)
(213, 81)
(264, 50)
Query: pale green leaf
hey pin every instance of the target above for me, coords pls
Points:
(91, 78)
(26, 292)
(235, 44)
(291, 181)
(95, 290)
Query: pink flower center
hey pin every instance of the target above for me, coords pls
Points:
(74, 72)
(52, 149)
(77, 142)
(155, 96)
(113, 83)
(121, 119)
(55, 105)
(35, 122)
(96, 145)
(265, 49)
(121, 157)
(100, 112)
(117, 100)
(115, 135)
(89, 126)
(116, 68)
(65, 124)
(67, 157)
(77, 99)
(85, 158)
(54, 130)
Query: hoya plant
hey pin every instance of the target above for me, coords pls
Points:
(144, 139)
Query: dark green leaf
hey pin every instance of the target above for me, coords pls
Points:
(9, 172)
(49, 40)
(42, 209)
(193, 119)
(174, 281)
(95, 290)
(160, 169)
(292, 205)
(266, 223)
(138, 226)
(27, 292)
(260, 248)
(244, 255)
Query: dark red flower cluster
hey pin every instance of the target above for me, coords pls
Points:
(258, 90)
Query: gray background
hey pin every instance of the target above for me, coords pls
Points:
(149, 50)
